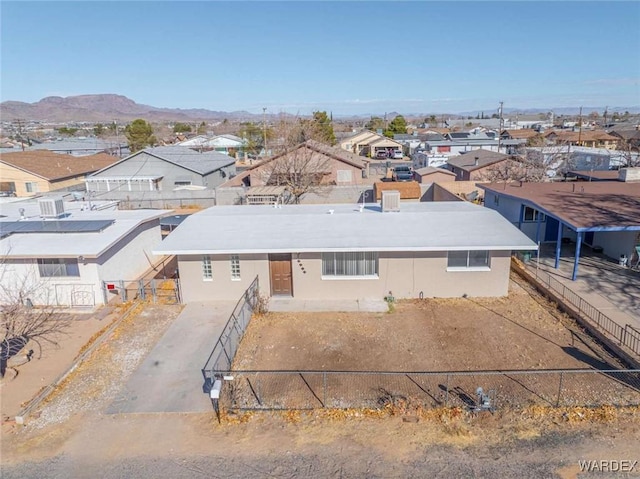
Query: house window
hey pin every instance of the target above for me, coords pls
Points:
(357, 263)
(496, 200)
(344, 176)
(58, 267)
(235, 267)
(444, 149)
(468, 260)
(31, 187)
(207, 272)
(532, 215)
(182, 183)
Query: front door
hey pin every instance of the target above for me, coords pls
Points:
(281, 278)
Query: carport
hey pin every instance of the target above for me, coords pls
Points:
(604, 215)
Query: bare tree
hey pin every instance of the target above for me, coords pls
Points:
(531, 165)
(300, 170)
(25, 315)
(629, 150)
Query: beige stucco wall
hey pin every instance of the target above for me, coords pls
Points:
(19, 177)
(194, 288)
(406, 275)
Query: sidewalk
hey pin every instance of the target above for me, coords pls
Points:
(609, 287)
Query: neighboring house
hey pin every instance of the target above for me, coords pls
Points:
(63, 251)
(597, 213)
(323, 166)
(560, 158)
(628, 139)
(345, 251)
(27, 173)
(227, 144)
(429, 174)
(459, 146)
(370, 144)
(526, 134)
(409, 190)
(588, 138)
(475, 165)
(166, 175)
(81, 146)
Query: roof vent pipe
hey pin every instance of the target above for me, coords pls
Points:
(475, 162)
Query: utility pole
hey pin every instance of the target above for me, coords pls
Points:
(605, 116)
(264, 129)
(580, 127)
(500, 126)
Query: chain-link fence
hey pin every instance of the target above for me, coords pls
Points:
(281, 390)
(158, 291)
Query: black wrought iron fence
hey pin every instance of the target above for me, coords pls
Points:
(626, 336)
(283, 390)
(225, 348)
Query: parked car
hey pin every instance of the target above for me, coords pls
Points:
(402, 173)
(381, 154)
(398, 155)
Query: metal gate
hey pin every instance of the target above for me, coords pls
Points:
(162, 291)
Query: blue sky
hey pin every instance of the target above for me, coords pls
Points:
(345, 57)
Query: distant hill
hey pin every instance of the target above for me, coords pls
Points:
(105, 108)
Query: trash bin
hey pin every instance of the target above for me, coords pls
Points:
(526, 256)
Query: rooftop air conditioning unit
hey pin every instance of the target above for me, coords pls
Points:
(51, 207)
(390, 201)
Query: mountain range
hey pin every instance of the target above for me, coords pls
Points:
(105, 108)
(109, 107)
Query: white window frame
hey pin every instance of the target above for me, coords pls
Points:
(469, 260)
(207, 268)
(58, 268)
(31, 187)
(235, 267)
(350, 265)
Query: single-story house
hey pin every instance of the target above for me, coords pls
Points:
(60, 253)
(345, 251)
(165, 175)
(588, 138)
(603, 214)
(370, 144)
(323, 166)
(527, 134)
(27, 173)
(226, 143)
(476, 164)
(429, 174)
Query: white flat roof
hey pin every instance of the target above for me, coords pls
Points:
(64, 245)
(431, 226)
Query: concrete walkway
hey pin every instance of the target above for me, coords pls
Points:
(602, 282)
(170, 378)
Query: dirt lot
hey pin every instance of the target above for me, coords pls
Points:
(519, 332)
(74, 437)
(516, 332)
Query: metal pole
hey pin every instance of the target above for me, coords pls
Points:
(559, 390)
(446, 396)
(324, 389)
(538, 260)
